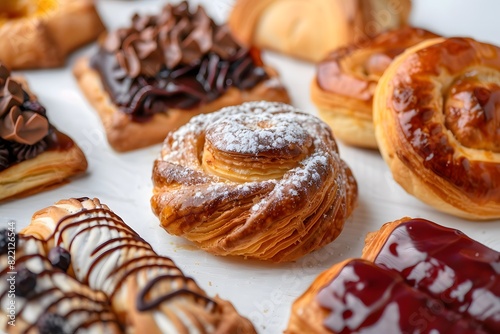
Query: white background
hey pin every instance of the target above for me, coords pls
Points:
(263, 292)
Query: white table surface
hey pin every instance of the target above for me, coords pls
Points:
(260, 291)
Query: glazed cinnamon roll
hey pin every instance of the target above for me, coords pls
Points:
(147, 292)
(345, 83)
(436, 116)
(310, 29)
(38, 296)
(41, 33)
(415, 277)
(260, 180)
(153, 76)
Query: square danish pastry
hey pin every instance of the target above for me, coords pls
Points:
(152, 77)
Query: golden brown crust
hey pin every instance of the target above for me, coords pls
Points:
(49, 169)
(311, 29)
(45, 39)
(345, 82)
(417, 100)
(259, 180)
(125, 135)
(124, 267)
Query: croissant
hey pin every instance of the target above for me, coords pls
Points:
(147, 292)
(436, 122)
(345, 82)
(180, 64)
(34, 155)
(41, 297)
(260, 180)
(414, 276)
(41, 33)
(310, 29)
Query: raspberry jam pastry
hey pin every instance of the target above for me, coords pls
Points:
(260, 180)
(436, 116)
(345, 83)
(113, 275)
(311, 29)
(150, 78)
(34, 155)
(415, 277)
(41, 33)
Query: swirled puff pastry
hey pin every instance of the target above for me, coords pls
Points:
(152, 77)
(415, 276)
(345, 83)
(41, 33)
(34, 155)
(310, 29)
(436, 116)
(146, 292)
(260, 180)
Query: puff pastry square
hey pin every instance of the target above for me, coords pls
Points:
(152, 77)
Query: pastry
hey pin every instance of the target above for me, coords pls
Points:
(150, 78)
(40, 297)
(310, 29)
(34, 155)
(436, 115)
(345, 82)
(260, 180)
(146, 291)
(41, 33)
(415, 277)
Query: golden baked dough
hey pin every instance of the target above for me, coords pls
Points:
(34, 155)
(436, 116)
(345, 82)
(260, 180)
(310, 29)
(146, 291)
(414, 276)
(41, 33)
(52, 301)
(152, 77)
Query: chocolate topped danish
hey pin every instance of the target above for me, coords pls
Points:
(33, 153)
(152, 77)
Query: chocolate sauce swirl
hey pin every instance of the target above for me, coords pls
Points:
(176, 59)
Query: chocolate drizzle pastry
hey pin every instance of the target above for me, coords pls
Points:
(147, 292)
(176, 59)
(24, 127)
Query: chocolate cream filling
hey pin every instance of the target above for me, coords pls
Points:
(176, 59)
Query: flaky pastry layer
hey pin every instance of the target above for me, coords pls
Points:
(45, 39)
(311, 29)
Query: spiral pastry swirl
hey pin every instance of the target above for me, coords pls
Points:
(260, 180)
(437, 121)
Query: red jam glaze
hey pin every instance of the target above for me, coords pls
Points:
(365, 298)
(413, 102)
(459, 273)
